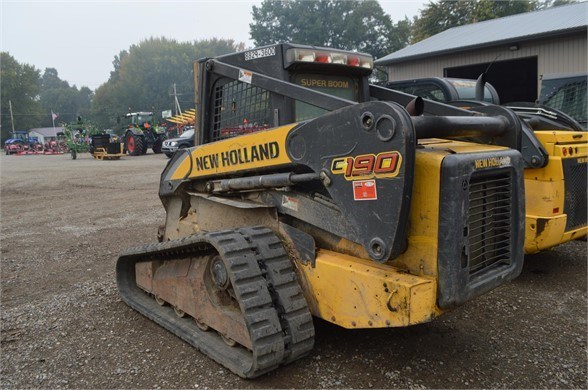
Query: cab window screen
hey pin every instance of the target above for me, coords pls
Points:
(567, 95)
(343, 87)
(238, 108)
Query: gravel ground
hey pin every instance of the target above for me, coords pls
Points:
(63, 222)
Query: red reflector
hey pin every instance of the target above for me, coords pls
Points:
(353, 61)
(571, 150)
(322, 58)
(556, 210)
(564, 151)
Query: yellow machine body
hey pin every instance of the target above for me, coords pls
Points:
(343, 286)
(546, 190)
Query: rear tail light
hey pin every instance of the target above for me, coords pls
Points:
(353, 61)
(323, 56)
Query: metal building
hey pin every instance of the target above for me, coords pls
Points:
(518, 50)
(46, 134)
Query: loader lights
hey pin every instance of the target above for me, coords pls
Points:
(329, 57)
(353, 61)
(568, 151)
(323, 58)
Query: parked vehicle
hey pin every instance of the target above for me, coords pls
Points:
(20, 142)
(311, 192)
(554, 147)
(185, 140)
(141, 134)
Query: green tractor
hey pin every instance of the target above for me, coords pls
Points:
(140, 134)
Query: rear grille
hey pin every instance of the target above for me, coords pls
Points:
(489, 221)
(575, 186)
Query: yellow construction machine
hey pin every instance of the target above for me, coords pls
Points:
(554, 148)
(556, 180)
(311, 193)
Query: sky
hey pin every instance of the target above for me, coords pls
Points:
(80, 38)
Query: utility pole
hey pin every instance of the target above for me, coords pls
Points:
(177, 103)
(11, 117)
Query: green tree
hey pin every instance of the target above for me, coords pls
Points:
(84, 101)
(143, 77)
(555, 3)
(58, 96)
(20, 86)
(402, 34)
(444, 14)
(349, 25)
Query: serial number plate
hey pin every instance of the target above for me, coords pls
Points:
(260, 53)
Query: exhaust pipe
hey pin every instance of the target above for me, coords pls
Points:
(480, 85)
(416, 106)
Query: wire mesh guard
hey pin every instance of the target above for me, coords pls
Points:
(571, 99)
(239, 108)
(575, 174)
(489, 221)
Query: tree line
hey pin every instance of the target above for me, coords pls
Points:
(143, 77)
(28, 97)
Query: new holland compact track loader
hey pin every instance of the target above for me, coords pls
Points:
(311, 193)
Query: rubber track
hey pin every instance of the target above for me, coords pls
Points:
(287, 295)
(274, 311)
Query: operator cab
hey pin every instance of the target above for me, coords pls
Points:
(237, 107)
(140, 119)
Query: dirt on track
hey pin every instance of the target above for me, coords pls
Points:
(63, 223)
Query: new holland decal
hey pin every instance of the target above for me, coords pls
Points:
(246, 152)
(492, 162)
(367, 166)
(240, 156)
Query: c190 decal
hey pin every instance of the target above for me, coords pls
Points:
(366, 166)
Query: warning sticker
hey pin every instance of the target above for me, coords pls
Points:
(365, 190)
(245, 76)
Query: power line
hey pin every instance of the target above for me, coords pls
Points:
(60, 114)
